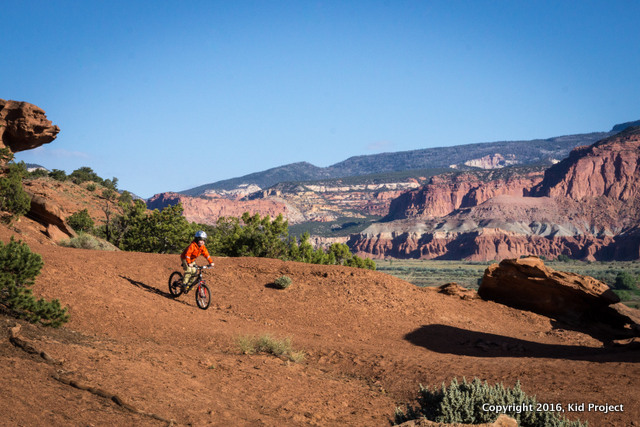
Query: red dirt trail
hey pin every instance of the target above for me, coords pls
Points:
(370, 339)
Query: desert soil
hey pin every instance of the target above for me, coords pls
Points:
(370, 339)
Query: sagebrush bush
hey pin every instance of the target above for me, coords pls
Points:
(283, 282)
(466, 403)
(18, 269)
(87, 241)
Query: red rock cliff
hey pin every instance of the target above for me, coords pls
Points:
(448, 192)
(609, 168)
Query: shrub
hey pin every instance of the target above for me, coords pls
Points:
(18, 270)
(91, 187)
(625, 281)
(81, 221)
(38, 173)
(563, 258)
(58, 175)
(13, 199)
(268, 344)
(87, 241)
(283, 282)
(466, 403)
(84, 174)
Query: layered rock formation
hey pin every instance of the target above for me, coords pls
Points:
(24, 126)
(326, 202)
(447, 192)
(587, 206)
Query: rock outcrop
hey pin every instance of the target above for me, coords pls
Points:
(24, 126)
(527, 284)
(51, 216)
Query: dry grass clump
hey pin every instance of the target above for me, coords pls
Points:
(282, 348)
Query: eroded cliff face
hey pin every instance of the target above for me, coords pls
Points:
(448, 192)
(609, 168)
(587, 207)
(207, 210)
(327, 202)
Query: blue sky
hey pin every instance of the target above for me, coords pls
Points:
(169, 95)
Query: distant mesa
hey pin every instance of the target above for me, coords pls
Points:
(24, 126)
(623, 126)
(587, 207)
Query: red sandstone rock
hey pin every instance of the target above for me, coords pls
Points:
(49, 214)
(24, 126)
(527, 284)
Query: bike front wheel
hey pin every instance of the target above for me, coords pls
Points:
(175, 284)
(203, 296)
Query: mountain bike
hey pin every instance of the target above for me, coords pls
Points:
(203, 295)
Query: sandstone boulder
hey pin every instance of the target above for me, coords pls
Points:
(24, 126)
(527, 284)
(51, 216)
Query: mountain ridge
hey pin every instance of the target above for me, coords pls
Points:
(527, 151)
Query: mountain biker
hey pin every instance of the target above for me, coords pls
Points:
(193, 251)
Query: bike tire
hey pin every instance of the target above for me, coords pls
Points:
(175, 284)
(203, 296)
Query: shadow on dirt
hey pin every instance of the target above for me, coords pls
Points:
(151, 289)
(451, 340)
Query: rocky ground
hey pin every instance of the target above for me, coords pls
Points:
(132, 355)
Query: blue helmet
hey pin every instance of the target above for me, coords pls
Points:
(201, 235)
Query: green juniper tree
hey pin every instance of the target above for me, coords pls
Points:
(18, 270)
(14, 201)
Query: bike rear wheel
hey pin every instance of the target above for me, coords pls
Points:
(175, 284)
(203, 296)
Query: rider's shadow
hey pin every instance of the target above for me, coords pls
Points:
(151, 289)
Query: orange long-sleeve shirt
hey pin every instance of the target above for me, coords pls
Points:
(193, 251)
